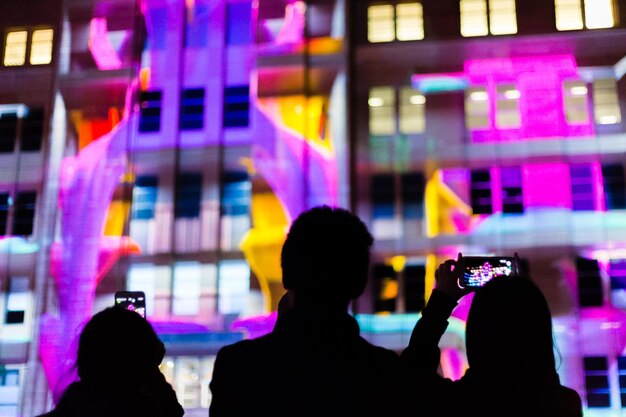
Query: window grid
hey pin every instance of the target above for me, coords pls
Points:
(41, 47)
(507, 107)
(583, 195)
(380, 23)
(188, 196)
(477, 108)
(502, 17)
(382, 111)
(512, 190)
(192, 109)
(480, 191)
(606, 108)
(237, 106)
(597, 381)
(575, 95)
(412, 111)
(15, 48)
(144, 197)
(150, 111)
(409, 22)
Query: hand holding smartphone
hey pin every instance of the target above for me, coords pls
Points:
(132, 300)
(478, 270)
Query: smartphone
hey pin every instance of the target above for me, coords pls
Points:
(132, 300)
(481, 269)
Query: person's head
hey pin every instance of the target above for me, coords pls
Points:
(325, 258)
(118, 347)
(510, 322)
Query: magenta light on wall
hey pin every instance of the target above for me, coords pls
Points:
(100, 46)
(537, 85)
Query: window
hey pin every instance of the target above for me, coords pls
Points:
(144, 197)
(4, 212)
(605, 102)
(412, 193)
(186, 288)
(15, 48)
(476, 108)
(575, 98)
(236, 189)
(197, 24)
(8, 132)
(238, 27)
(9, 377)
(237, 106)
(17, 300)
(589, 283)
(597, 381)
(414, 287)
(614, 186)
(192, 109)
(507, 107)
(512, 197)
(233, 286)
(150, 111)
(382, 105)
(481, 17)
(480, 191)
(32, 130)
(383, 196)
(598, 14)
(41, 47)
(412, 117)
(24, 213)
(142, 277)
(621, 369)
(617, 274)
(385, 289)
(188, 195)
(386, 22)
(583, 195)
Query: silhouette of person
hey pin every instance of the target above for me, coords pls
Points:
(314, 362)
(117, 362)
(510, 351)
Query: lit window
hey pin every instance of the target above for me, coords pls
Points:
(476, 108)
(605, 102)
(186, 288)
(507, 107)
(569, 15)
(41, 47)
(599, 14)
(575, 97)
(409, 21)
(142, 277)
(502, 18)
(234, 286)
(412, 118)
(18, 300)
(15, 48)
(380, 23)
(382, 103)
(474, 18)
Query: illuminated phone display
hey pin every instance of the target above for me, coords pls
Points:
(132, 300)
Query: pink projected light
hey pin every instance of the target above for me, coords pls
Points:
(538, 84)
(100, 45)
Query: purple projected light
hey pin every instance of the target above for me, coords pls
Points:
(537, 85)
(100, 45)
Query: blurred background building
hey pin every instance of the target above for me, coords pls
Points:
(166, 145)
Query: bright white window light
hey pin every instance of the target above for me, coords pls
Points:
(412, 118)
(512, 94)
(41, 47)
(409, 22)
(382, 111)
(417, 99)
(606, 102)
(15, 48)
(569, 14)
(380, 23)
(474, 18)
(479, 96)
(477, 108)
(502, 17)
(575, 102)
(375, 102)
(599, 14)
(579, 90)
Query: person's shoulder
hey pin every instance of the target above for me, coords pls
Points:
(569, 402)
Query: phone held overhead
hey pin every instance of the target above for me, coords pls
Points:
(478, 270)
(132, 300)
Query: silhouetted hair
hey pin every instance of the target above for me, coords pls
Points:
(326, 255)
(510, 322)
(118, 347)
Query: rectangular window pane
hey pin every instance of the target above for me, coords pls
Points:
(32, 130)
(188, 195)
(235, 203)
(502, 17)
(480, 192)
(474, 18)
(597, 381)
(385, 289)
(192, 109)
(237, 106)
(234, 286)
(15, 48)
(186, 288)
(150, 111)
(24, 213)
(617, 274)
(507, 107)
(512, 193)
(382, 111)
(412, 116)
(414, 285)
(380, 23)
(614, 186)
(476, 108)
(18, 300)
(409, 21)
(583, 193)
(41, 47)
(575, 98)
(239, 18)
(606, 102)
(412, 191)
(144, 197)
(383, 196)
(569, 15)
(4, 212)
(8, 132)
(599, 14)
(142, 277)
(589, 283)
